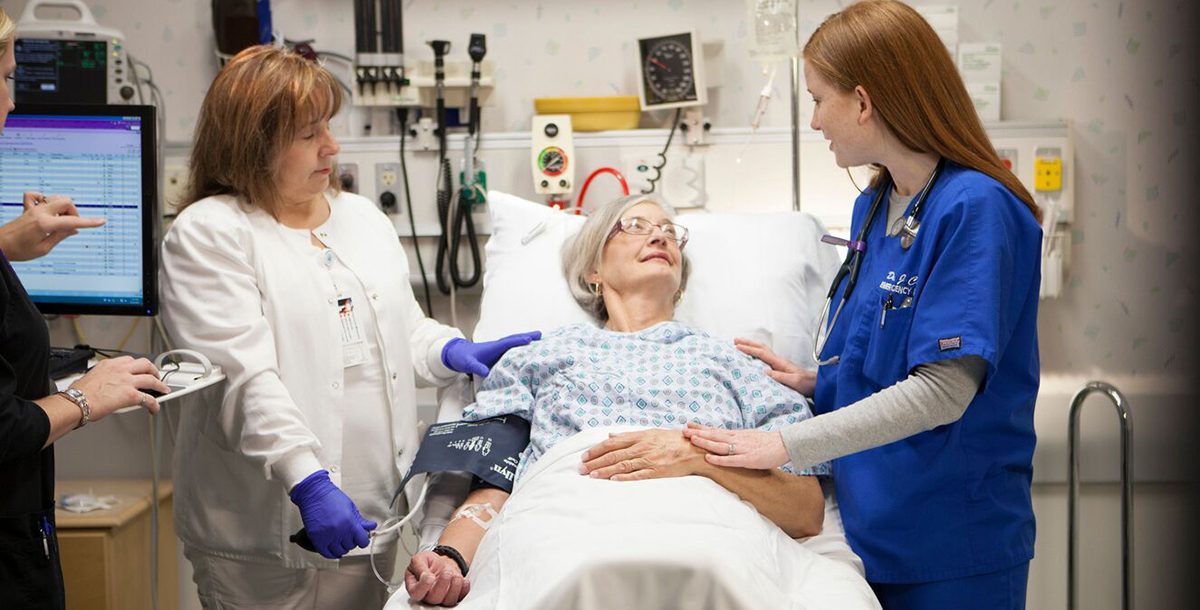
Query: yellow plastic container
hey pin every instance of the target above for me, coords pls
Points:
(594, 113)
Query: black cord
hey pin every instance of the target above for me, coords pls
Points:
(463, 216)
(443, 205)
(402, 114)
(663, 155)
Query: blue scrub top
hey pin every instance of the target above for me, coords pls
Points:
(953, 501)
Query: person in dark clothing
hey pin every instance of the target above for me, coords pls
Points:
(32, 415)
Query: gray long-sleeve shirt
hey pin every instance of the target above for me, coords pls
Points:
(932, 395)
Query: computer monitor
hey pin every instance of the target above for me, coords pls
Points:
(104, 158)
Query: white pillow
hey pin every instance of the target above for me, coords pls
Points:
(757, 276)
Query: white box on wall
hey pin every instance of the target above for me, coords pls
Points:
(986, 98)
(940, 16)
(979, 62)
(943, 18)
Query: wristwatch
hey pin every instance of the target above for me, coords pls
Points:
(80, 401)
(454, 555)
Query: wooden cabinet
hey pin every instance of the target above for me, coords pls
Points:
(106, 553)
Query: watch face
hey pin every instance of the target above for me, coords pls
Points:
(668, 69)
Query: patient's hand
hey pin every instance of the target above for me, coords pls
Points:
(433, 579)
(781, 369)
(645, 454)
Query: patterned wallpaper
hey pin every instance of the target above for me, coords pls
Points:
(1123, 71)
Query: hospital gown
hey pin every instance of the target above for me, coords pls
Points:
(581, 377)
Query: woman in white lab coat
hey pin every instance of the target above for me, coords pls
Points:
(301, 294)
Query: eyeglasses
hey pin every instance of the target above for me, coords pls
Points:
(637, 225)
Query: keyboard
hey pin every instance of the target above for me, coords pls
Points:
(66, 361)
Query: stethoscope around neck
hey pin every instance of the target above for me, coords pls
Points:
(857, 248)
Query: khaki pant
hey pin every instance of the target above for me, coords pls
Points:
(230, 584)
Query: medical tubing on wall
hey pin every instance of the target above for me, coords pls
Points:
(360, 25)
(395, 25)
(402, 114)
(592, 176)
(371, 28)
(385, 26)
(662, 156)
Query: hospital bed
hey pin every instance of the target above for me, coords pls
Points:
(566, 541)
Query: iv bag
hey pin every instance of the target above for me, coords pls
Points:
(773, 30)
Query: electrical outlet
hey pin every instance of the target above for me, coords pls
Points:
(175, 182)
(347, 174)
(387, 177)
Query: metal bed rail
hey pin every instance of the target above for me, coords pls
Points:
(1126, 421)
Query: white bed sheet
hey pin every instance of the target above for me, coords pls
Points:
(567, 541)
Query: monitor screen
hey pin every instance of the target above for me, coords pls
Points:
(61, 71)
(103, 158)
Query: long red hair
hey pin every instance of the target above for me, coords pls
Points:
(886, 47)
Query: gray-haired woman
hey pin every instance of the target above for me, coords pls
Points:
(637, 368)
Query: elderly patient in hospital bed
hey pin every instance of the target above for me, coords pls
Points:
(651, 516)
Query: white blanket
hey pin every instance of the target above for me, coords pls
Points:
(566, 541)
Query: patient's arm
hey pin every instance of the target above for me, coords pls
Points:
(794, 503)
(436, 579)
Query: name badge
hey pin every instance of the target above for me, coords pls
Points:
(354, 348)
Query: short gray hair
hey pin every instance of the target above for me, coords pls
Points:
(582, 254)
(7, 29)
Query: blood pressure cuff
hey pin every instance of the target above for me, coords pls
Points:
(489, 448)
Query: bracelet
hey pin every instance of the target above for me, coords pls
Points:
(80, 401)
(453, 554)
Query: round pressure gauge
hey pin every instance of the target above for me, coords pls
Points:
(552, 161)
(669, 71)
(671, 74)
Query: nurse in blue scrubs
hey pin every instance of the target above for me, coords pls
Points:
(929, 371)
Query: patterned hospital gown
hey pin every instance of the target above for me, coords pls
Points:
(580, 377)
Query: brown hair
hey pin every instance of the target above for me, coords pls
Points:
(251, 114)
(891, 51)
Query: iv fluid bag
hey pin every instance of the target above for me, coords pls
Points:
(773, 30)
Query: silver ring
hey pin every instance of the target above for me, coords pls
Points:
(731, 448)
(142, 400)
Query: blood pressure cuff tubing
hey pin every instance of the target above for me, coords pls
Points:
(489, 448)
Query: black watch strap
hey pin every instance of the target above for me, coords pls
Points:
(452, 553)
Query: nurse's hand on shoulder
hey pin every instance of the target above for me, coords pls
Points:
(116, 383)
(739, 448)
(331, 519)
(45, 222)
(781, 369)
(478, 358)
(433, 579)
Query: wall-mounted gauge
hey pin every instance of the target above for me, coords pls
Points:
(672, 71)
(552, 155)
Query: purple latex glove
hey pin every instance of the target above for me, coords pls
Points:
(478, 358)
(331, 520)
